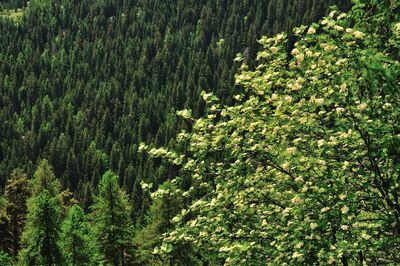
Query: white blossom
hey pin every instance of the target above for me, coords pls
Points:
(359, 35)
(311, 30)
(313, 226)
(344, 209)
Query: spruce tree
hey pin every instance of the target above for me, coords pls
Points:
(4, 223)
(17, 191)
(39, 239)
(41, 233)
(76, 239)
(111, 216)
(44, 179)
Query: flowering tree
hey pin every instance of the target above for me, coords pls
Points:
(305, 167)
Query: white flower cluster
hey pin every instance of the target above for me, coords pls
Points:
(397, 29)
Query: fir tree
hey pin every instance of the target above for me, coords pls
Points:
(41, 233)
(111, 216)
(4, 224)
(44, 179)
(17, 191)
(76, 239)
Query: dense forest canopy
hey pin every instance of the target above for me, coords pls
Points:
(182, 133)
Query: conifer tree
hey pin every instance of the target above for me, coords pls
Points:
(17, 191)
(111, 216)
(4, 223)
(41, 233)
(44, 179)
(76, 239)
(39, 239)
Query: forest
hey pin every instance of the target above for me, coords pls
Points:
(186, 132)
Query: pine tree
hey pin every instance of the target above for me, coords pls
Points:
(111, 216)
(17, 191)
(4, 223)
(44, 179)
(41, 233)
(76, 239)
(39, 238)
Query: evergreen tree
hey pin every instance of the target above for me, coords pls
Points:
(76, 239)
(41, 233)
(40, 237)
(4, 225)
(111, 217)
(44, 179)
(72, 92)
(18, 189)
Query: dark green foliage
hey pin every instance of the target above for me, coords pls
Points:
(18, 189)
(4, 225)
(12, 4)
(76, 239)
(112, 222)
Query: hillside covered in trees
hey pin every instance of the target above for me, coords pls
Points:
(287, 153)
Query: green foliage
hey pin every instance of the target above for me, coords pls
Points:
(112, 223)
(76, 239)
(166, 204)
(84, 82)
(4, 225)
(12, 5)
(18, 189)
(5, 259)
(303, 169)
(12, 14)
(44, 179)
(40, 236)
